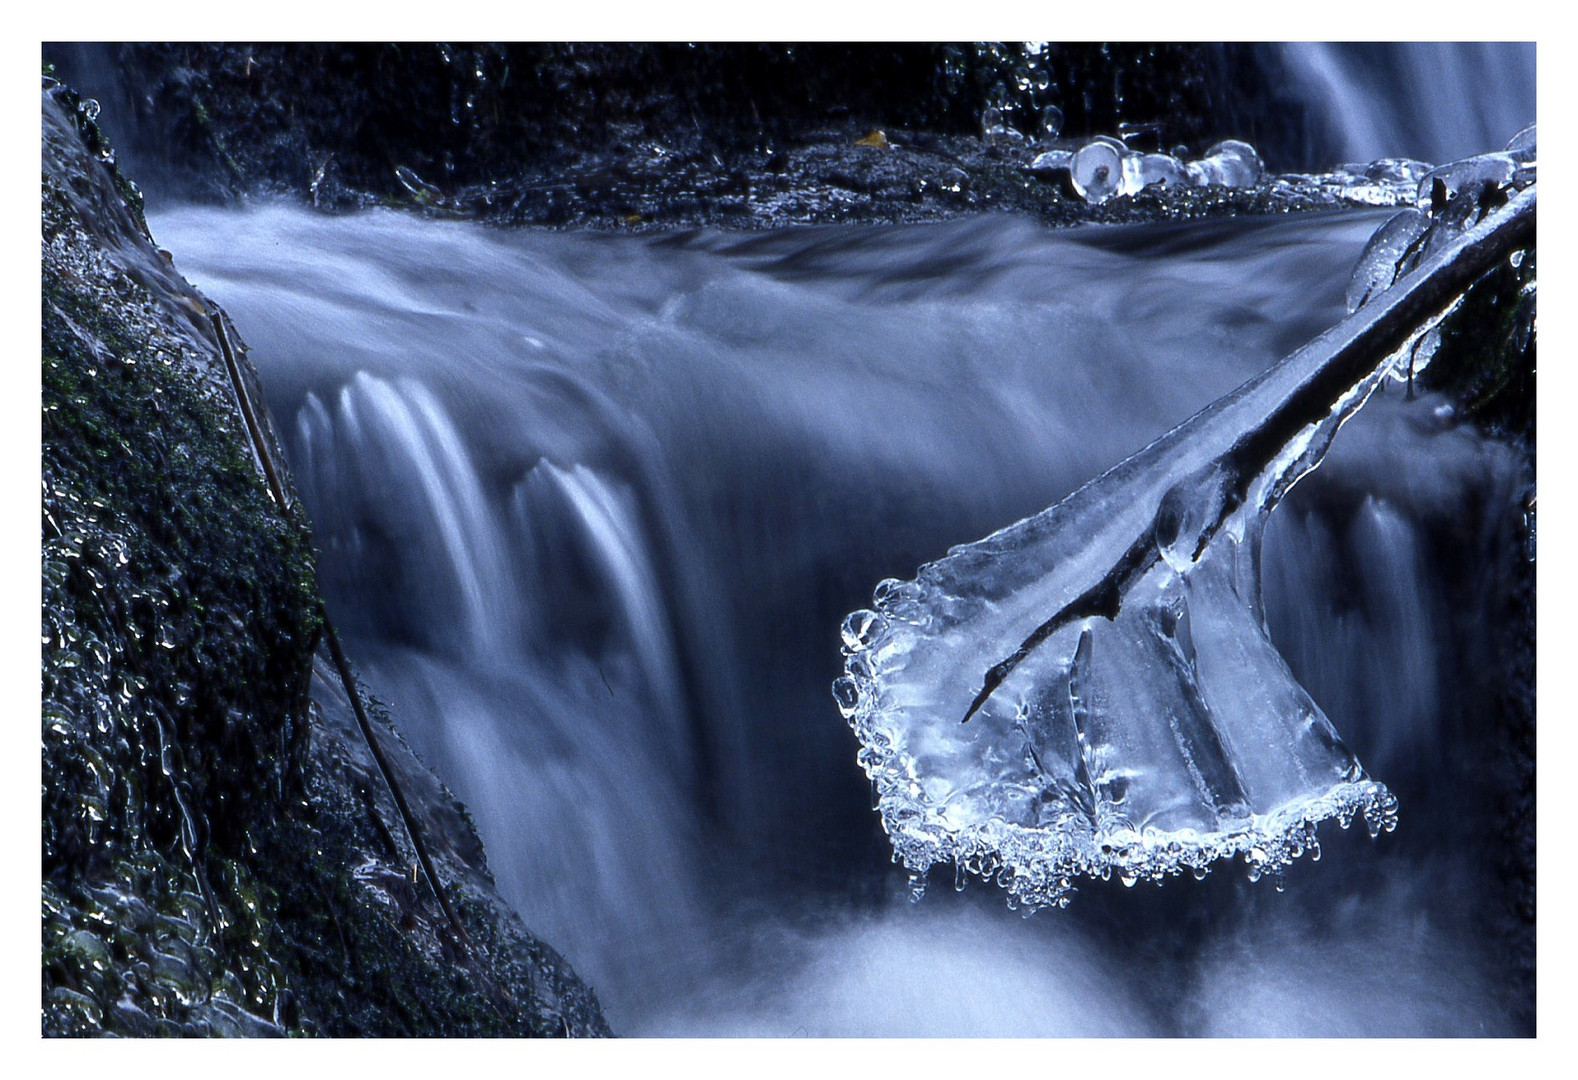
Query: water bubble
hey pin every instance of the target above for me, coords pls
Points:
(90, 109)
(954, 180)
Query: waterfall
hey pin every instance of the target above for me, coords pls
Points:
(1431, 100)
(591, 510)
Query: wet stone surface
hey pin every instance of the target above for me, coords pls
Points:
(668, 136)
(211, 861)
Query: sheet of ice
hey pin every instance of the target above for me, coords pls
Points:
(1134, 716)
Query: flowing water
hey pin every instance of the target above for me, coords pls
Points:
(592, 508)
(1431, 100)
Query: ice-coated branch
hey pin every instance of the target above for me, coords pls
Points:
(1343, 357)
(1140, 720)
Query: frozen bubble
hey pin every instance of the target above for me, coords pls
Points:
(1521, 149)
(1097, 171)
(1381, 261)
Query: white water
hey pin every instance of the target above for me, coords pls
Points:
(592, 509)
(1436, 101)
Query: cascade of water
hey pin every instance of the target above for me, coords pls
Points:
(591, 509)
(1431, 100)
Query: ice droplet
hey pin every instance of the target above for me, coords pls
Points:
(1230, 163)
(1052, 121)
(1161, 169)
(1097, 171)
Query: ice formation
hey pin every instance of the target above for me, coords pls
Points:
(1092, 691)
(1105, 167)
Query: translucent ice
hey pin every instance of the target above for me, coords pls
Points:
(1441, 184)
(1161, 169)
(1097, 170)
(1092, 690)
(1053, 161)
(1051, 122)
(1382, 261)
(1230, 163)
(1522, 147)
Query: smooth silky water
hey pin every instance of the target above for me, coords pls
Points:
(592, 508)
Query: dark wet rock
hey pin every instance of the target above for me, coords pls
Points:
(672, 135)
(218, 856)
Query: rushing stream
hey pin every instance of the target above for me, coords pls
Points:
(591, 510)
